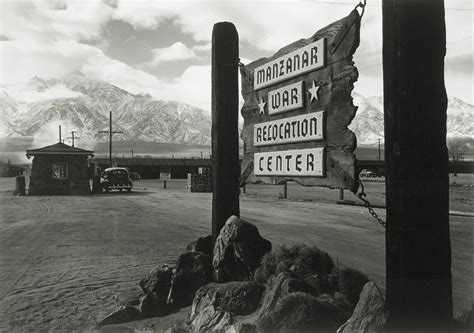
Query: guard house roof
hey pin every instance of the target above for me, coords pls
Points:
(59, 149)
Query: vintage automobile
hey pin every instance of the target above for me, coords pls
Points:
(367, 173)
(116, 179)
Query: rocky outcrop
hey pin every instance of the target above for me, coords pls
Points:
(215, 305)
(303, 312)
(369, 314)
(242, 328)
(202, 244)
(278, 287)
(238, 251)
(156, 286)
(192, 271)
(122, 315)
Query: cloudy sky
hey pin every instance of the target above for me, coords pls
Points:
(163, 48)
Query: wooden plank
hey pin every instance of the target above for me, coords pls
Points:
(418, 249)
(327, 88)
(225, 136)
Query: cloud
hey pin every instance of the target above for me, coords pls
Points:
(202, 48)
(26, 94)
(176, 52)
(53, 20)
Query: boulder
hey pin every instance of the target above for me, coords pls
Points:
(158, 280)
(238, 251)
(303, 312)
(151, 306)
(280, 286)
(369, 314)
(156, 286)
(202, 244)
(215, 304)
(122, 315)
(242, 328)
(192, 271)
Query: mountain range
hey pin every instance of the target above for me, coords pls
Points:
(83, 104)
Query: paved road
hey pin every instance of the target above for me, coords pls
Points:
(66, 261)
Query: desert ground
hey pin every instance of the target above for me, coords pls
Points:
(67, 261)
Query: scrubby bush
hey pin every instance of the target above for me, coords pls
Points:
(301, 260)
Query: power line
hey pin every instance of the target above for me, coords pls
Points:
(371, 5)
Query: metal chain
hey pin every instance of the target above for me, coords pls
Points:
(361, 195)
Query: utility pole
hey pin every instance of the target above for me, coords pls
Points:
(72, 137)
(110, 132)
(60, 134)
(418, 248)
(225, 136)
(379, 149)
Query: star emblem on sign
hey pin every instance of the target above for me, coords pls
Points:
(314, 92)
(261, 106)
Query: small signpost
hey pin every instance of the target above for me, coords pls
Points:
(297, 108)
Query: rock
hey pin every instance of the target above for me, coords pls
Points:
(238, 251)
(122, 315)
(151, 306)
(192, 271)
(215, 304)
(278, 287)
(303, 312)
(156, 286)
(158, 281)
(369, 314)
(202, 244)
(177, 329)
(242, 328)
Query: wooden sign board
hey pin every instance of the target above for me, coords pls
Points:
(297, 106)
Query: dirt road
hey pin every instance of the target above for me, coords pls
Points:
(65, 262)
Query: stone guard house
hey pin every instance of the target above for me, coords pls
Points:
(59, 169)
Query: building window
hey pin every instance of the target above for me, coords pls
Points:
(59, 171)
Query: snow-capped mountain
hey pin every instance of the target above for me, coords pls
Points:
(368, 122)
(83, 104)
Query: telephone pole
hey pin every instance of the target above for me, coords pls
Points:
(72, 137)
(417, 241)
(60, 134)
(379, 149)
(225, 116)
(110, 132)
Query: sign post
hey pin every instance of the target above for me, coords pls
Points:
(418, 249)
(297, 108)
(225, 136)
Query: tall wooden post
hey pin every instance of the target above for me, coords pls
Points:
(110, 139)
(418, 249)
(225, 140)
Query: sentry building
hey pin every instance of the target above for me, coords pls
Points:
(59, 169)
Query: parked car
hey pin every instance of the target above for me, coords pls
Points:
(116, 179)
(367, 173)
(134, 175)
